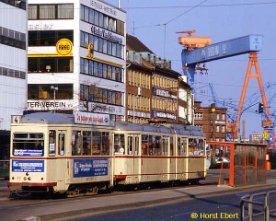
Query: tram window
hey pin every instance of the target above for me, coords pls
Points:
(196, 146)
(181, 146)
(119, 143)
(155, 147)
(145, 144)
(86, 140)
(164, 146)
(130, 145)
(136, 146)
(61, 144)
(171, 146)
(52, 142)
(28, 144)
(76, 142)
(105, 143)
(96, 143)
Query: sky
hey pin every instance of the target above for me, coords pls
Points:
(155, 23)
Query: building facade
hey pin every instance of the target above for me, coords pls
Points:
(212, 120)
(155, 93)
(76, 57)
(13, 65)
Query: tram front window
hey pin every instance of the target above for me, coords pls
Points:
(28, 144)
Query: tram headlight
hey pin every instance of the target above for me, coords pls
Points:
(29, 178)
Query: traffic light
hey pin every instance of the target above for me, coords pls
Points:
(261, 108)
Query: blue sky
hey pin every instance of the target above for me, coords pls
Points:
(221, 20)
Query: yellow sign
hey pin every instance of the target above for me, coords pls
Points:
(64, 46)
(90, 50)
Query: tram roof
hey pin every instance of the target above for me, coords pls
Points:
(61, 118)
(180, 129)
(48, 118)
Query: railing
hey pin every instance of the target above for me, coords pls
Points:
(258, 205)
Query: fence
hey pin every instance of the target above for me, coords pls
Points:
(258, 206)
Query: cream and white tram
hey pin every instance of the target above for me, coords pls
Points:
(146, 153)
(50, 152)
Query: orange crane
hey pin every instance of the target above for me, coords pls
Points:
(200, 50)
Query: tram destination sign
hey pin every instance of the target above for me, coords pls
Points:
(92, 118)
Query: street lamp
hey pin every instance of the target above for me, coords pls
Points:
(55, 89)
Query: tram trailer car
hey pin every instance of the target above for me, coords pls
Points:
(51, 153)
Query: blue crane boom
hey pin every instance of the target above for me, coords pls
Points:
(220, 50)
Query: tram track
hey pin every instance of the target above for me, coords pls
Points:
(46, 199)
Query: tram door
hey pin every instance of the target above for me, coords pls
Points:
(62, 167)
(134, 162)
(166, 164)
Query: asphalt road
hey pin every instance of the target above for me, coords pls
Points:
(222, 207)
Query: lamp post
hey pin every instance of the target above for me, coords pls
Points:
(245, 109)
(55, 89)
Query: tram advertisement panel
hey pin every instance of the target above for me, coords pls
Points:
(90, 167)
(27, 165)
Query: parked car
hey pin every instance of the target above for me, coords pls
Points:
(220, 160)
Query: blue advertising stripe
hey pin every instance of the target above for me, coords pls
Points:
(27, 165)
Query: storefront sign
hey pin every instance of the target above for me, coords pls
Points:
(64, 46)
(92, 118)
(97, 5)
(138, 114)
(90, 167)
(104, 108)
(50, 105)
(163, 115)
(27, 165)
(105, 34)
(163, 93)
(40, 26)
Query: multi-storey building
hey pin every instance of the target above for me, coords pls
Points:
(13, 65)
(154, 91)
(76, 57)
(212, 120)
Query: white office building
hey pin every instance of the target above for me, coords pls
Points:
(76, 57)
(13, 63)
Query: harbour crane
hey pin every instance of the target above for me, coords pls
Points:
(199, 50)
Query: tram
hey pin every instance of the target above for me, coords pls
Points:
(82, 153)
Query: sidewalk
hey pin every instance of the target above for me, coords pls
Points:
(77, 207)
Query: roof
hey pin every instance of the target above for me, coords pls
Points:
(48, 118)
(135, 44)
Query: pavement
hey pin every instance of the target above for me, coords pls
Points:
(128, 200)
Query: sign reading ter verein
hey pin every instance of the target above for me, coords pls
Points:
(64, 46)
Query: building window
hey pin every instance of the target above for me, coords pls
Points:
(217, 129)
(100, 70)
(50, 11)
(12, 73)
(48, 38)
(12, 38)
(198, 116)
(101, 20)
(223, 117)
(217, 116)
(19, 4)
(50, 65)
(100, 95)
(101, 45)
(44, 91)
(65, 11)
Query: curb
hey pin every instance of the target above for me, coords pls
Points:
(113, 208)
